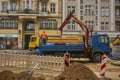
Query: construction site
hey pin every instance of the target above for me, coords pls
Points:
(64, 58)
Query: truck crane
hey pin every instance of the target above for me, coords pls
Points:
(92, 47)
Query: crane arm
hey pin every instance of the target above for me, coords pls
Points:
(66, 20)
(82, 25)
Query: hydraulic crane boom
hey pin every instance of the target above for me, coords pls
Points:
(66, 20)
(82, 25)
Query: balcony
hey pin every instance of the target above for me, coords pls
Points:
(26, 11)
(20, 11)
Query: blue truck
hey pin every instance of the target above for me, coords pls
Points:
(92, 47)
(100, 45)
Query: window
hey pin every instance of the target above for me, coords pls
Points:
(81, 12)
(52, 8)
(104, 26)
(89, 24)
(33, 39)
(23, 4)
(30, 26)
(70, 9)
(44, 7)
(48, 24)
(8, 41)
(96, 1)
(81, 1)
(13, 6)
(104, 11)
(117, 27)
(96, 17)
(7, 23)
(28, 4)
(71, 25)
(117, 1)
(4, 6)
(32, 4)
(103, 39)
(81, 17)
(89, 9)
(117, 12)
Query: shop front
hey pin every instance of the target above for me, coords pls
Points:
(8, 41)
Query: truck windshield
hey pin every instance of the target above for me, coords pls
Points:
(103, 39)
(33, 39)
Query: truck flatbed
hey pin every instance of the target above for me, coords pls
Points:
(76, 47)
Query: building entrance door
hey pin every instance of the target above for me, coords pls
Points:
(26, 44)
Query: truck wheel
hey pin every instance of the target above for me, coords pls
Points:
(97, 57)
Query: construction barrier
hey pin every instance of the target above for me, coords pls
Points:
(28, 61)
(67, 60)
(103, 66)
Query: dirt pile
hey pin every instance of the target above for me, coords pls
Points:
(8, 75)
(77, 71)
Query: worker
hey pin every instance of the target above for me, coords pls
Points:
(44, 38)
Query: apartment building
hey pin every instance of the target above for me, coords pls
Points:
(116, 18)
(108, 18)
(19, 19)
(85, 11)
(99, 15)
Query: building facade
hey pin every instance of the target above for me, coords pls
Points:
(99, 15)
(116, 18)
(19, 19)
(107, 21)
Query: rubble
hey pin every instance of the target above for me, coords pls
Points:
(8, 75)
(77, 71)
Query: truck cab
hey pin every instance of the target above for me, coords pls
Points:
(34, 42)
(100, 42)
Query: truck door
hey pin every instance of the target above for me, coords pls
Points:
(102, 43)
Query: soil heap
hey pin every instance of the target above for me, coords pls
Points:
(77, 71)
(8, 75)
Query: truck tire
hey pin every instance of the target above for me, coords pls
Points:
(97, 57)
